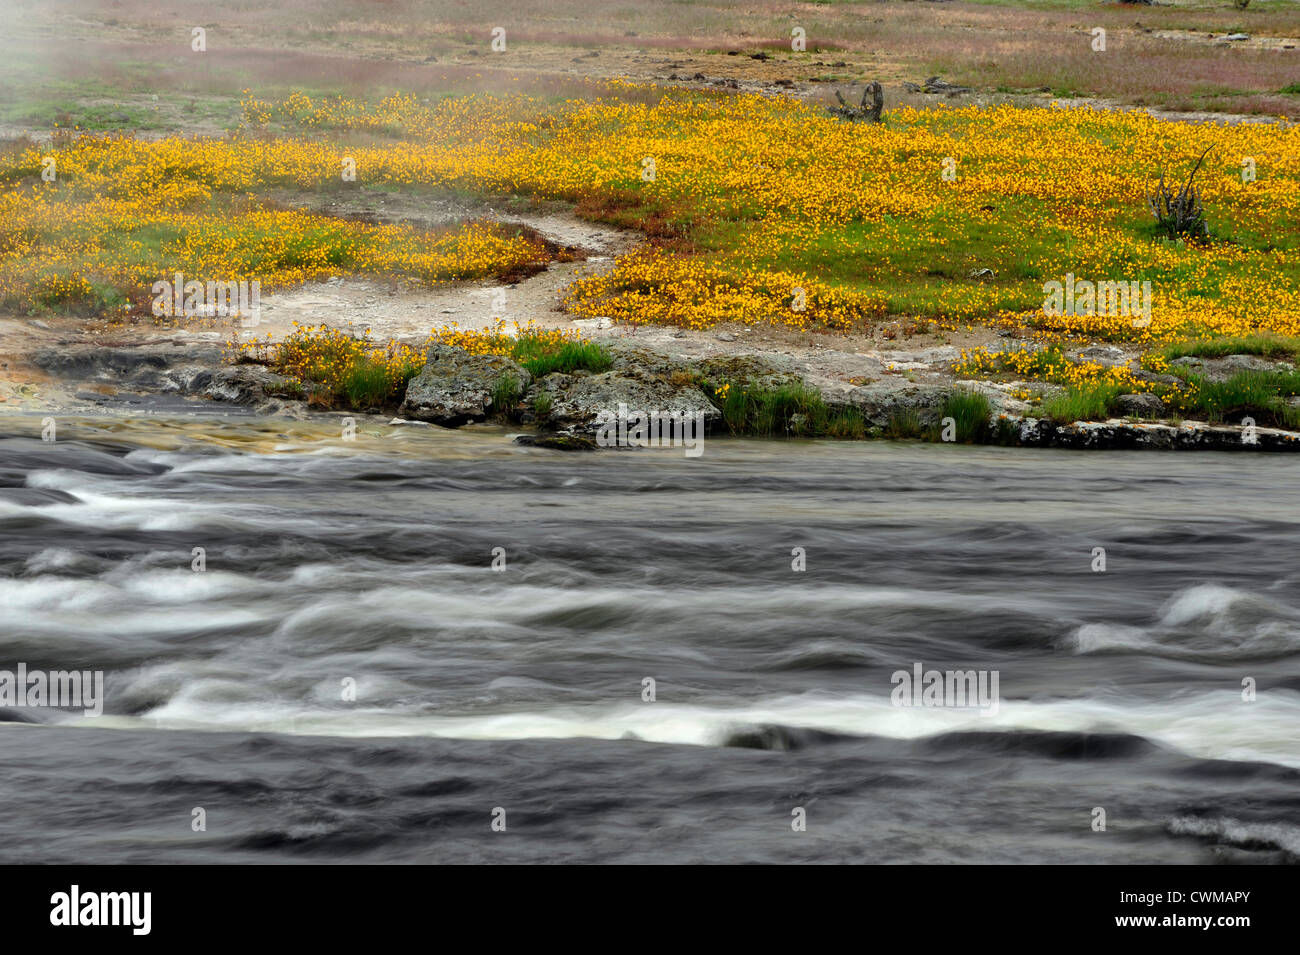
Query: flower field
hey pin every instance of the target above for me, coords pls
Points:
(760, 209)
(345, 366)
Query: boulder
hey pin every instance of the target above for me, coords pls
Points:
(1108, 355)
(557, 442)
(638, 361)
(110, 364)
(1140, 405)
(999, 394)
(1221, 369)
(882, 404)
(242, 384)
(577, 401)
(455, 387)
(1155, 378)
(749, 372)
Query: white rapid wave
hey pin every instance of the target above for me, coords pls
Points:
(1203, 622)
(1213, 725)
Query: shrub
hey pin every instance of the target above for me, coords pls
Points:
(1179, 214)
(333, 366)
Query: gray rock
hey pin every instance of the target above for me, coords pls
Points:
(1221, 369)
(1192, 436)
(1000, 401)
(1103, 355)
(881, 404)
(1141, 374)
(1253, 363)
(557, 442)
(186, 378)
(749, 372)
(243, 384)
(927, 356)
(578, 400)
(455, 387)
(1140, 405)
(115, 364)
(151, 380)
(637, 360)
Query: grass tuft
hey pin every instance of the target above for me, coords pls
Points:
(506, 394)
(542, 357)
(792, 410)
(1266, 346)
(970, 412)
(1085, 402)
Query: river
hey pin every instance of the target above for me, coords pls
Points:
(434, 646)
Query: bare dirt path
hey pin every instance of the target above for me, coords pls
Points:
(389, 310)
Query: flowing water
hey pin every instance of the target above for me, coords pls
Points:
(349, 677)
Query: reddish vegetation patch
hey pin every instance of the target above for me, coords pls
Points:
(1159, 55)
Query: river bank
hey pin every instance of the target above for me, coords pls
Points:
(62, 368)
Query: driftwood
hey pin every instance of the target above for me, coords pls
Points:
(936, 85)
(1179, 213)
(862, 113)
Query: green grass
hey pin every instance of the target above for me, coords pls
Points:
(542, 358)
(1258, 394)
(543, 402)
(793, 410)
(908, 424)
(1267, 346)
(912, 265)
(506, 394)
(970, 412)
(1086, 403)
(368, 385)
(972, 421)
(799, 411)
(847, 424)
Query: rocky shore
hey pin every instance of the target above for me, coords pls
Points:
(563, 411)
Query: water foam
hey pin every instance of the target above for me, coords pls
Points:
(1213, 725)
